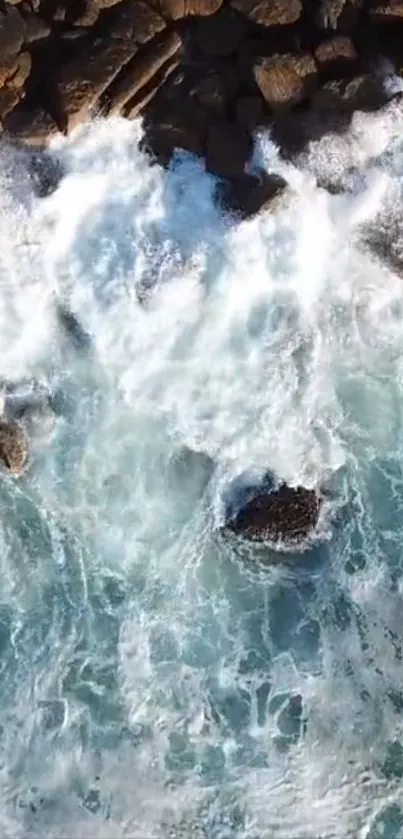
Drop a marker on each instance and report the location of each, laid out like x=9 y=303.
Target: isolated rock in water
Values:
x=286 y=514
x=13 y=446
x=248 y=195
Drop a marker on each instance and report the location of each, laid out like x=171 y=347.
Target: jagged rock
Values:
x=228 y=149
x=286 y=80
x=221 y=34
x=336 y=56
x=248 y=195
x=141 y=70
x=85 y=78
x=12 y=31
x=269 y=13
x=285 y=514
x=13 y=447
x=30 y=123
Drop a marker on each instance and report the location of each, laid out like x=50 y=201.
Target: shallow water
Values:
x=159 y=679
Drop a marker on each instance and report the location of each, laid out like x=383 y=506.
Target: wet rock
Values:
x=221 y=34
x=141 y=70
x=36 y=29
x=228 y=149
x=177 y=124
x=202 y=7
x=69 y=324
x=214 y=92
x=30 y=123
x=13 y=447
x=336 y=57
x=140 y=99
x=12 y=90
x=169 y=9
x=287 y=514
x=46 y=173
x=286 y=80
x=272 y=13
x=250 y=194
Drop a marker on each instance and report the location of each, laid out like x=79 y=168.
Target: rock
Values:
x=88 y=15
x=251 y=112
x=363 y=92
x=221 y=34
x=202 y=7
x=269 y=12
x=36 y=29
x=85 y=78
x=145 y=94
x=13 y=447
x=177 y=124
x=386 y=12
x=169 y=9
x=45 y=172
x=8 y=66
x=30 y=123
x=12 y=31
x=11 y=92
x=141 y=70
x=286 y=80
x=214 y=92
x=285 y=514
x=329 y=13
x=248 y=195
x=336 y=56
x=228 y=149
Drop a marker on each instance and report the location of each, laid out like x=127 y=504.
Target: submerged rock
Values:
x=249 y=194
x=285 y=514
x=13 y=446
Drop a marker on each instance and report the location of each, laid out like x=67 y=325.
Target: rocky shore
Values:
x=205 y=73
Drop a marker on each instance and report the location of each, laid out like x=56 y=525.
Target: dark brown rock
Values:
x=214 y=92
x=286 y=515
x=221 y=34
x=8 y=66
x=269 y=12
x=286 y=80
x=137 y=103
x=88 y=15
x=251 y=112
x=228 y=149
x=12 y=31
x=386 y=12
x=139 y=72
x=336 y=57
x=248 y=195
x=13 y=447
x=30 y=123
x=36 y=29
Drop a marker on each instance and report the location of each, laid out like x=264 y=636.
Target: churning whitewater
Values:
x=159 y=678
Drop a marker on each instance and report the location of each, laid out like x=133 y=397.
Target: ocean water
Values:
x=160 y=679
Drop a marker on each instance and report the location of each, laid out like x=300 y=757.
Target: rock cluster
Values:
x=13 y=447
x=206 y=73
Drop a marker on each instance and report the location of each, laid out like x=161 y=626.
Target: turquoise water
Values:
x=159 y=678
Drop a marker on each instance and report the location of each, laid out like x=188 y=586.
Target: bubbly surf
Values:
x=159 y=679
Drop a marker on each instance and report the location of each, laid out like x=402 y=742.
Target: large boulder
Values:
x=286 y=80
x=286 y=514
x=13 y=447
